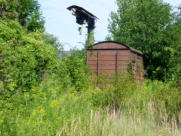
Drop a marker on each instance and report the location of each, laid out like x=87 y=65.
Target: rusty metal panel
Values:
x=94 y=67
x=91 y=62
x=106 y=70
x=123 y=53
x=105 y=62
x=134 y=56
x=117 y=59
x=105 y=66
x=123 y=62
x=107 y=58
x=137 y=66
x=107 y=53
x=127 y=58
x=122 y=67
x=92 y=58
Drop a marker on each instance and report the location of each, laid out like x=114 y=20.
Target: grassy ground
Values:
x=148 y=109
x=118 y=124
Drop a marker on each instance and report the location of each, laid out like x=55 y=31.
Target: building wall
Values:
x=137 y=66
x=112 y=58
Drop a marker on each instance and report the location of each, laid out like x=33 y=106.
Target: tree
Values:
x=29 y=15
x=25 y=58
x=148 y=26
x=52 y=40
x=8 y=8
x=178 y=54
x=26 y=11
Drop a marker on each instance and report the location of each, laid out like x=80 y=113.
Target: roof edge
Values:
x=81 y=8
x=129 y=48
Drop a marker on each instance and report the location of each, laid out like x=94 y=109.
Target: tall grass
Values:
x=151 y=108
x=106 y=123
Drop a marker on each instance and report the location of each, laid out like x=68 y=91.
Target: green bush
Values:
x=25 y=58
x=41 y=94
x=79 y=74
x=125 y=92
x=44 y=110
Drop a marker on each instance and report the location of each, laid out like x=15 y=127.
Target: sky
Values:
x=62 y=24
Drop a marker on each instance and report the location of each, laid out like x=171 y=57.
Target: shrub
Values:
x=124 y=92
x=78 y=72
x=25 y=58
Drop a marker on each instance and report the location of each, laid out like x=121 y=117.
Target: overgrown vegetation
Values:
x=45 y=95
x=25 y=58
x=153 y=28
x=26 y=12
x=51 y=108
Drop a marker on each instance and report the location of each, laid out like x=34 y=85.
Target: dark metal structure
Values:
x=113 y=57
x=83 y=17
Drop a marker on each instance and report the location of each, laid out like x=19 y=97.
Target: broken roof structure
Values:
x=83 y=17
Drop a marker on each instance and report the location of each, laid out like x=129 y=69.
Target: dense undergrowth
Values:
x=50 y=109
x=41 y=94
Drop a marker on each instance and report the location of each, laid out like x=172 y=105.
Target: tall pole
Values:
x=90 y=37
x=90 y=33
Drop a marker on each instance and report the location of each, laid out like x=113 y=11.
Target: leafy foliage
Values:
x=27 y=12
x=149 y=26
x=52 y=40
x=29 y=15
x=8 y=8
x=25 y=58
x=50 y=108
x=124 y=92
x=78 y=72
x=43 y=94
